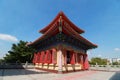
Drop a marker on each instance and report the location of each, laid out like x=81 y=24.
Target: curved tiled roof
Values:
x=66 y=19
x=67 y=27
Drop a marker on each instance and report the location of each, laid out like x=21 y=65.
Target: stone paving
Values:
x=33 y=74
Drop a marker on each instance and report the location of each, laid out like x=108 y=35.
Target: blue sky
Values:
x=22 y=19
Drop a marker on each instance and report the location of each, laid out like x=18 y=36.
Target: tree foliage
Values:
x=115 y=63
x=98 y=60
x=1 y=60
x=19 y=53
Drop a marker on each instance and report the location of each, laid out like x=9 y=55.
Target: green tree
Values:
x=115 y=63
x=1 y=60
x=98 y=60
x=20 y=53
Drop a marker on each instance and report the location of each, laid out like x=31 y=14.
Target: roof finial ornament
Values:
x=61 y=19
x=60 y=24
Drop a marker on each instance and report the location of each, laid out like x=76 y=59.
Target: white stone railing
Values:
x=105 y=67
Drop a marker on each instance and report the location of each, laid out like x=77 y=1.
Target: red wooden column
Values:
x=34 y=58
x=86 y=63
x=72 y=61
x=48 y=58
x=38 y=57
x=54 y=56
x=82 y=60
x=76 y=58
x=65 y=57
x=46 y=55
x=42 y=59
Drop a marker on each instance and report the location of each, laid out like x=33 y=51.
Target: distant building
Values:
x=111 y=60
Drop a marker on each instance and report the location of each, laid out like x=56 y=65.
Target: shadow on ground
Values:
x=116 y=76
x=13 y=72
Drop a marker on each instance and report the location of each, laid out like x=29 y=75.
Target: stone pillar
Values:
x=59 y=61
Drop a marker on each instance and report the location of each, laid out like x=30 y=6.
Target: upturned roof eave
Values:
x=69 y=31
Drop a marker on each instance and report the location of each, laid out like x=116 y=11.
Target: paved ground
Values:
x=33 y=74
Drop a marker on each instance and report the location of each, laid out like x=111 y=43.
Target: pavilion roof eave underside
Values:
x=79 y=37
x=67 y=30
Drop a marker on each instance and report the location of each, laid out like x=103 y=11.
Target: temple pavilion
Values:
x=61 y=48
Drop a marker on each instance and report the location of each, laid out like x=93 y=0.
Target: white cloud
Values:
x=99 y=55
x=7 y=37
x=117 y=49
